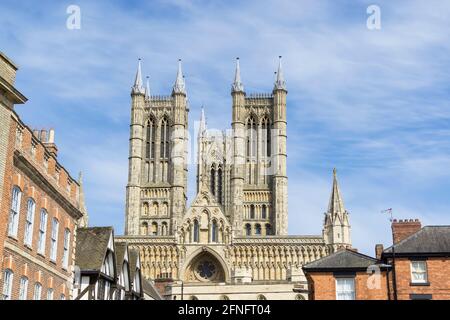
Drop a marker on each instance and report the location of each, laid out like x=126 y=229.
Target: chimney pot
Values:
x=43 y=136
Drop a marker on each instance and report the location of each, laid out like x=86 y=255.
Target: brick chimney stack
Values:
x=378 y=250
x=404 y=228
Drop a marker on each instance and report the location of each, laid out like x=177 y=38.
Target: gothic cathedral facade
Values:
x=232 y=241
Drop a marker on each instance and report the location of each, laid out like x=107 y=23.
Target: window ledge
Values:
x=13 y=237
x=419 y=284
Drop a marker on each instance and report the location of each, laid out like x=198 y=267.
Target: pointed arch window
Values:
x=214 y=232
x=164 y=229
x=165 y=139
x=251 y=138
x=150 y=140
x=258 y=229
x=252 y=211
x=154 y=229
x=264 y=212
x=265 y=125
x=213 y=181
x=219 y=185
x=196 y=231
x=268 y=229
x=248 y=229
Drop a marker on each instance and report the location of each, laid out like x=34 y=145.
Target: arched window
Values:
x=265 y=125
x=268 y=229
x=165 y=209
x=66 y=246
x=193 y=298
x=264 y=212
x=154 y=229
x=224 y=297
x=219 y=185
x=213 y=181
x=258 y=229
x=252 y=211
x=150 y=140
x=37 y=291
x=14 y=212
x=8 y=277
x=144 y=228
x=164 y=229
x=155 y=208
x=54 y=239
x=42 y=232
x=261 y=297
x=251 y=138
x=214 y=232
x=23 y=289
x=196 y=231
x=145 y=208
x=29 y=223
x=165 y=139
x=248 y=229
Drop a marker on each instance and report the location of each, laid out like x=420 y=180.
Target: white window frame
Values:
x=50 y=293
x=42 y=231
x=345 y=294
x=29 y=223
x=414 y=271
x=65 y=257
x=8 y=278
x=14 y=212
x=23 y=289
x=54 y=240
x=37 y=291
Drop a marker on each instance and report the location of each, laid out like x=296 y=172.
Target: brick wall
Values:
x=323 y=286
x=438 y=277
x=21 y=259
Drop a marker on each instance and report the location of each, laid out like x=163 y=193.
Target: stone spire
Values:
x=137 y=87
x=280 y=84
x=237 y=85
x=336 y=231
x=147 y=90
x=83 y=223
x=202 y=126
x=336 y=204
x=179 y=86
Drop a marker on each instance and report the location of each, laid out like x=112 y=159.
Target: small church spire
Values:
x=202 y=126
x=179 y=86
x=147 y=89
x=83 y=223
x=137 y=87
x=237 y=84
x=280 y=84
x=336 y=204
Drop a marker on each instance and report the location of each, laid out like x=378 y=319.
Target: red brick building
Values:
x=422 y=261
x=39 y=206
x=347 y=275
x=417 y=266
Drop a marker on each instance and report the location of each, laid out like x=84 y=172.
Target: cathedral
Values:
x=232 y=241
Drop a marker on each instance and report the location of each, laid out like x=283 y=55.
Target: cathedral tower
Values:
x=156 y=190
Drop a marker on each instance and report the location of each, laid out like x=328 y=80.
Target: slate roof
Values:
x=91 y=247
x=150 y=289
x=120 y=248
x=341 y=260
x=133 y=255
x=429 y=239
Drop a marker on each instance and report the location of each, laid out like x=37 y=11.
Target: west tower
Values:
x=157 y=180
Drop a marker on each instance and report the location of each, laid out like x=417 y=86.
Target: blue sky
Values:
x=372 y=103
